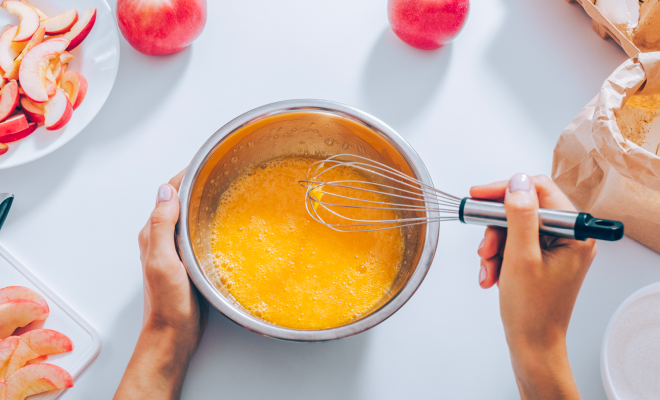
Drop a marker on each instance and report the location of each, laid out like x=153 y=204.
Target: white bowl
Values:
x=607 y=369
x=97 y=59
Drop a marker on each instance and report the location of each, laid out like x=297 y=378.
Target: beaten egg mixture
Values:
x=292 y=271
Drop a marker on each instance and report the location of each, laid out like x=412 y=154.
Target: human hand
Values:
x=539 y=278
x=170 y=299
x=174 y=313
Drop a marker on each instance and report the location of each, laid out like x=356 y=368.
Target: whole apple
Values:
x=157 y=27
x=427 y=24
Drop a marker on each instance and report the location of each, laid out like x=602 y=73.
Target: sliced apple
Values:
x=75 y=87
x=3 y=82
x=13 y=124
x=37 y=343
x=15 y=137
x=38 y=37
x=34 y=379
x=35 y=65
x=33 y=111
x=60 y=23
x=17 y=314
x=66 y=57
x=42 y=15
x=28 y=17
x=9 y=50
x=10 y=293
x=58 y=111
x=8 y=99
x=7 y=348
x=3 y=149
x=37 y=360
x=80 y=29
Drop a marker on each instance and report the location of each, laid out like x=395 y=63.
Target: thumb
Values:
x=163 y=222
x=522 y=206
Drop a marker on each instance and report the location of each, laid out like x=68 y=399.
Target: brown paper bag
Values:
x=604 y=173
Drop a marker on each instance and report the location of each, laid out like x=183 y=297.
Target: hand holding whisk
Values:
x=382 y=190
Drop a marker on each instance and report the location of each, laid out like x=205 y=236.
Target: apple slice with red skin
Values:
x=58 y=111
x=17 y=314
x=33 y=111
x=7 y=348
x=8 y=99
x=42 y=16
x=12 y=73
x=37 y=343
x=66 y=57
x=28 y=17
x=80 y=29
x=15 y=137
x=60 y=23
x=36 y=378
x=9 y=50
x=75 y=86
x=37 y=360
x=3 y=149
x=33 y=70
x=13 y=124
x=10 y=293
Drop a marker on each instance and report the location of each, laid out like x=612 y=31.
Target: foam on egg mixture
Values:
x=286 y=268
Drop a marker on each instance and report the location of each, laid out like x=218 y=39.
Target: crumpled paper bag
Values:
x=602 y=172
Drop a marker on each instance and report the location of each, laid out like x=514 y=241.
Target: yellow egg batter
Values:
x=290 y=270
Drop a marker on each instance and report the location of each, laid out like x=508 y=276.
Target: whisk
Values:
x=413 y=202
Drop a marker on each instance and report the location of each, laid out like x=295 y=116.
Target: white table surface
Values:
x=491 y=104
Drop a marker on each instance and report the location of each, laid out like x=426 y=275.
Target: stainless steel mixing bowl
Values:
x=311 y=128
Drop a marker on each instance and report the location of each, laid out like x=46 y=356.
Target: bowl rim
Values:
x=206 y=287
x=606 y=376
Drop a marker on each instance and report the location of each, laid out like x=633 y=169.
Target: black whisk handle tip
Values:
x=6 y=199
x=587 y=227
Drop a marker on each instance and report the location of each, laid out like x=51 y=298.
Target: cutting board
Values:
x=62 y=318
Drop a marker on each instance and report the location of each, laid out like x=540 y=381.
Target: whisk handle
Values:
x=564 y=224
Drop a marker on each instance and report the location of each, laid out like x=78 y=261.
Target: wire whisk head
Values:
x=352 y=193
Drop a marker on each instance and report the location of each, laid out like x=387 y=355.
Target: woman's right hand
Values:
x=539 y=278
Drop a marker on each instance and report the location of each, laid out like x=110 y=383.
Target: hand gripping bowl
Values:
x=311 y=128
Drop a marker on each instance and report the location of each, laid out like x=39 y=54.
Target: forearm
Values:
x=544 y=373
x=158 y=366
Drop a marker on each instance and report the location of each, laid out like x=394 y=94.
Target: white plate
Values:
x=62 y=318
x=97 y=59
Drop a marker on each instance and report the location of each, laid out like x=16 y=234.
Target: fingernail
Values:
x=482 y=274
x=164 y=194
x=481 y=245
x=519 y=182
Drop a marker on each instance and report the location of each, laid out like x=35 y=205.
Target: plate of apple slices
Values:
x=58 y=63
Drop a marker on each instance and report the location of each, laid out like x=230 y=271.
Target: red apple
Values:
x=156 y=27
x=17 y=314
x=66 y=57
x=427 y=24
x=35 y=379
x=81 y=29
x=60 y=23
x=3 y=149
x=37 y=360
x=42 y=16
x=37 y=343
x=75 y=87
x=33 y=111
x=58 y=111
x=35 y=67
x=8 y=99
x=7 y=348
x=10 y=293
x=13 y=124
x=38 y=37
x=15 y=137
x=9 y=49
x=28 y=17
